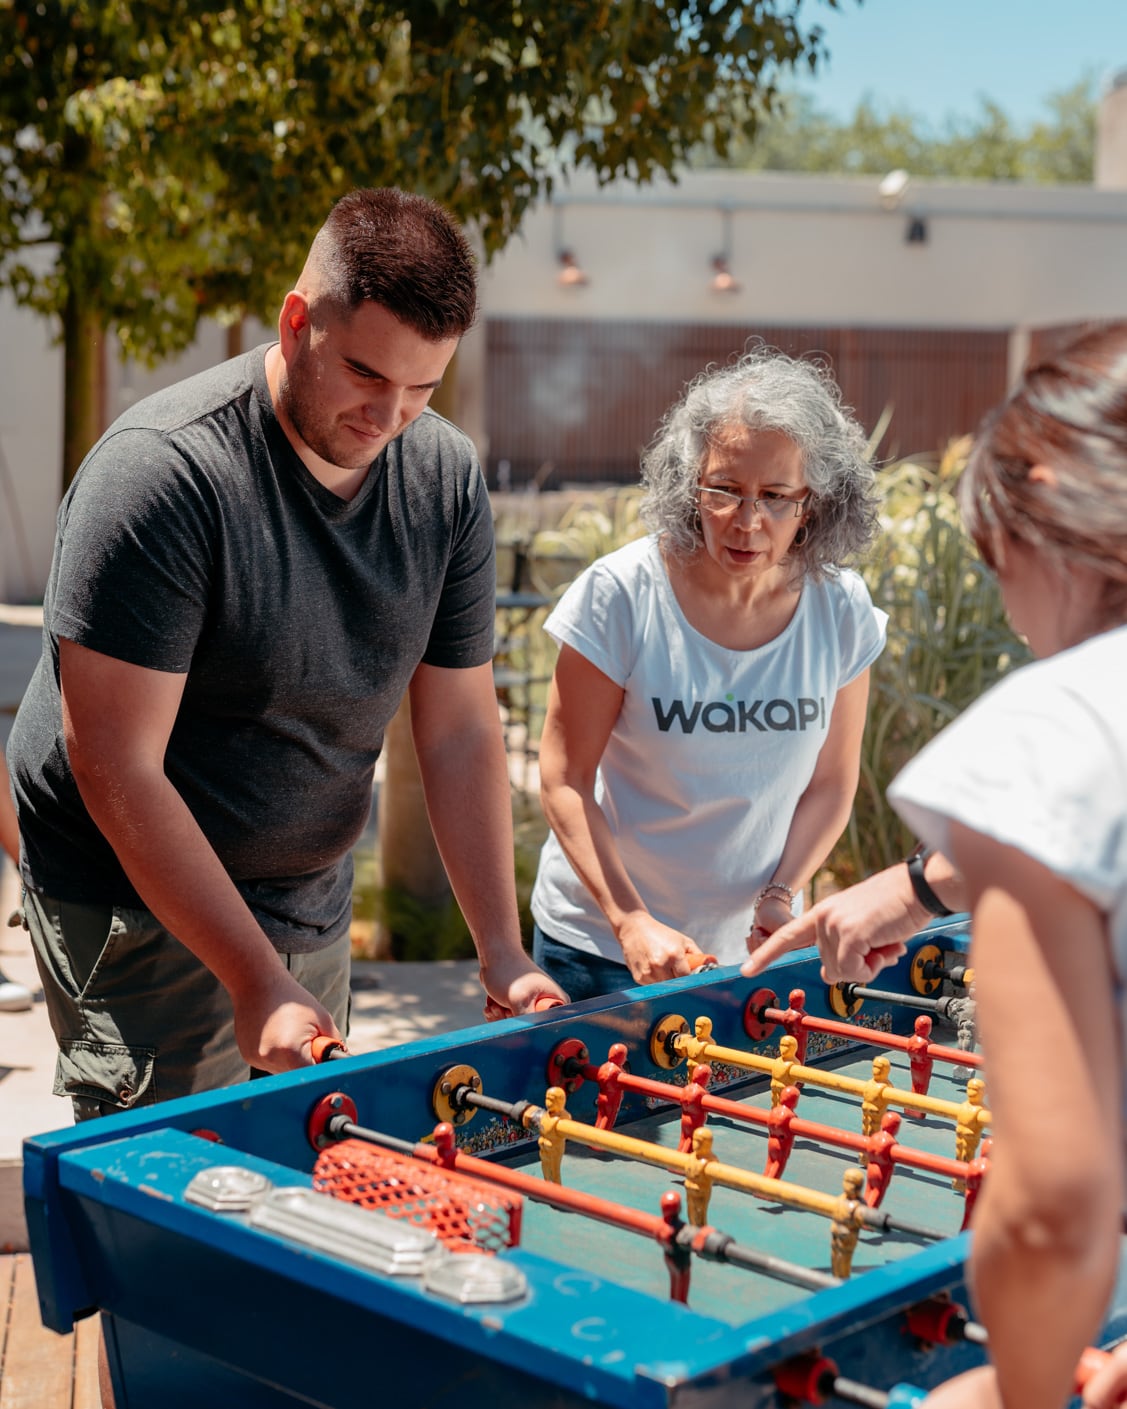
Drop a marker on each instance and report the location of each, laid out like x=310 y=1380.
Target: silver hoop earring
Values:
x=800 y=537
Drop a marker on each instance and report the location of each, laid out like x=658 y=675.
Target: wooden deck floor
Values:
x=39 y=1369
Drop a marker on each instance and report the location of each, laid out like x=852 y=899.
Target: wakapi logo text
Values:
x=732 y=716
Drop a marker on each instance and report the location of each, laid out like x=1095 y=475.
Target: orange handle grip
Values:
x=325 y=1048
x=495 y=1011
x=1092 y=1360
x=701 y=961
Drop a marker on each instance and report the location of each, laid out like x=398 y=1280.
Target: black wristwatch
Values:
x=924 y=893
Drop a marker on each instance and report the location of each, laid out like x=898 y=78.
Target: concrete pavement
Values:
x=392 y=1002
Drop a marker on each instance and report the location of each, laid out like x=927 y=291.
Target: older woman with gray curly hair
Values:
x=702 y=742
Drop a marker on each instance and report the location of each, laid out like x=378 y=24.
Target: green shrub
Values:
x=948 y=641
x=588 y=528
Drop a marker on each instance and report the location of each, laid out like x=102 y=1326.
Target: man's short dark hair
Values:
x=402 y=251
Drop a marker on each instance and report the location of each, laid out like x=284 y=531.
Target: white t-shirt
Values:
x=711 y=751
x=1040 y=764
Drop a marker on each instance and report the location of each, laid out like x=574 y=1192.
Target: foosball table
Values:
x=710 y=1192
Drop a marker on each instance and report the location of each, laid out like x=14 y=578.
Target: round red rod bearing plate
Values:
x=334 y=1104
x=756 y=1026
x=570 y=1049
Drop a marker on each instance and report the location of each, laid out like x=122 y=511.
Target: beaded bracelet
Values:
x=774 y=888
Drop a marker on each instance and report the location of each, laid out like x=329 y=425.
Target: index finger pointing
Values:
x=790 y=937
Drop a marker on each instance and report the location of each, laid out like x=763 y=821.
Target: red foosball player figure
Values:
x=792 y=1021
x=873 y=1097
x=678 y=1259
x=446 y=1144
x=878 y=1170
x=919 y=1058
x=610 y=1092
x=780 y=1136
x=976 y=1172
x=693 y=1113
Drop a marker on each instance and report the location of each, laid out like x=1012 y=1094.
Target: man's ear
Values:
x=294 y=317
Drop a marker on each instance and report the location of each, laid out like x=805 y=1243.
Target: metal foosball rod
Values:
x=959 y=975
x=846 y=998
x=703 y=1241
x=701 y=1170
x=808 y=1379
x=671 y=1039
x=613 y=1074
x=761 y=1014
x=907 y=1396
x=812 y=1378
x=941 y=1007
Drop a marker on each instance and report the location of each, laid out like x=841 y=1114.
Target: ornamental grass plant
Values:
x=948 y=642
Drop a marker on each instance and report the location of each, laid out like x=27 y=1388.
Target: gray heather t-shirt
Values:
x=194 y=540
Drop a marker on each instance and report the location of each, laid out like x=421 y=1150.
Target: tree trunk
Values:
x=84 y=384
x=409 y=859
x=234 y=338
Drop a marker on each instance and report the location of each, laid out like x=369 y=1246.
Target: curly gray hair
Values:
x=766 y=390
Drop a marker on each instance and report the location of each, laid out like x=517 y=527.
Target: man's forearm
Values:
x=469 y=804
x=178 y=876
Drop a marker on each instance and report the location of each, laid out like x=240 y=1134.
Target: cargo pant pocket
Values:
x=102 y=1077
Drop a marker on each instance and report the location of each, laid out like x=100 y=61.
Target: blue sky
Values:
x=935 y=57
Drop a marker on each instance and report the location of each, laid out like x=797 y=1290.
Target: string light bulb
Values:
x=723 y=280
x=571 y=275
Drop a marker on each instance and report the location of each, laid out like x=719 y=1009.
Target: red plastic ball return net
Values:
x=466 y=1215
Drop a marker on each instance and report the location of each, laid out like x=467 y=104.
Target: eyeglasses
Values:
x=726 y=502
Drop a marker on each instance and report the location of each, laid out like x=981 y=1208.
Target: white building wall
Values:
x=815 y=250
x=808 y=251
x=31 y=441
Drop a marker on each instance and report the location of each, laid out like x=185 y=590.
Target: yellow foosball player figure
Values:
x=846 y=1226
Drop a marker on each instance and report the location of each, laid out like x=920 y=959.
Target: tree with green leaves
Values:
x=798 y=136
x=166 y=160
x=169 y=160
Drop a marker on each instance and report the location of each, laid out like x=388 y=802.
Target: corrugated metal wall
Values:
x=575 y=401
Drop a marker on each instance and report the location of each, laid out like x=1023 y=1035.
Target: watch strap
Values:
x=924 y=893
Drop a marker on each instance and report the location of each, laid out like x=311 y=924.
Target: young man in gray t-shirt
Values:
x=250 y=571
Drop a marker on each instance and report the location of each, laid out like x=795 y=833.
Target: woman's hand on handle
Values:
x=655 y=952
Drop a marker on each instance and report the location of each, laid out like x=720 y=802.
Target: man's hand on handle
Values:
x=517 y=985
x=276 y=1022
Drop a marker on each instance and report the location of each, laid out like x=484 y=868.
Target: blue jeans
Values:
x=580 y=975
